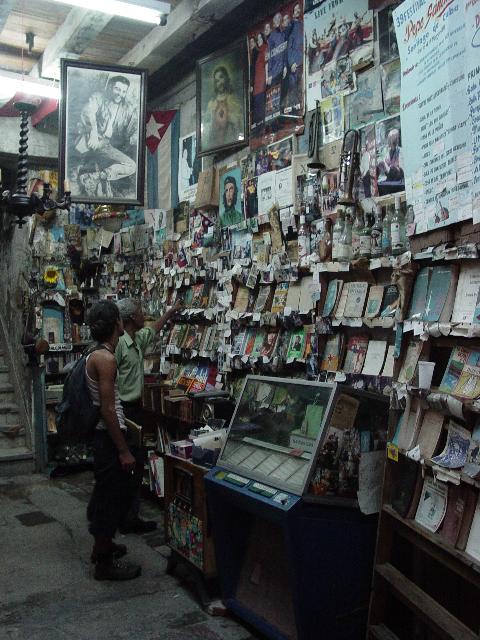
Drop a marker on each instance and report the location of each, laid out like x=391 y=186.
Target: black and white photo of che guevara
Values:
x=103 y=133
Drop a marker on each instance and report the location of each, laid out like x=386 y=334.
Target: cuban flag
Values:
x=162 y=136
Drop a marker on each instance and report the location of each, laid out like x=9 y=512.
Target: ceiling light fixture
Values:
x=143 y=10
x=14 y=82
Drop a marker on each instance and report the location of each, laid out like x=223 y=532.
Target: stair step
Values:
x=16 y=461
x=5 y=387
x=9 y=407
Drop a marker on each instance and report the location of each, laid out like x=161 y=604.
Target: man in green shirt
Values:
x=129 y=355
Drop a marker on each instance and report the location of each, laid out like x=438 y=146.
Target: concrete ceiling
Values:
x=63 y=31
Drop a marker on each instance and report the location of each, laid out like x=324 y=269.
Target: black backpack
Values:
x=77 y=416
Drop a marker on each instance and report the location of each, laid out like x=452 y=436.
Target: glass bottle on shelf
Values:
x=356 y=232
x=303 y=239
x=398 y=232
x=366 y=239
x=337 y=231
x=376 y=234
x=345 y=243
x=386 y=242
x=325 y=244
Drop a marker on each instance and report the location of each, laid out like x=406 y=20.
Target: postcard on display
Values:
x=338 y=77
x=365 y=104
x=387 y=39
x=368 y=186
x=283 y=188
x=332 y=32
x=189 y=167
x=330 y=192
x=266 y=192
x=250 y=197
x=333 y=118
x=241 y=245
x=390 y=167
x=391 y=74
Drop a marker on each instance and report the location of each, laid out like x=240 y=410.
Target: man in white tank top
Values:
x=113 y=461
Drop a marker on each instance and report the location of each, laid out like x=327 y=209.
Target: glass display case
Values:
x=275 y=432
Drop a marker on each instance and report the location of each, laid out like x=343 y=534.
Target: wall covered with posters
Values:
x=223 y=231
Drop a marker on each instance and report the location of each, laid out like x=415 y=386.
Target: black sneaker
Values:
x=116 y=570
x=138 y=526
x=119 y=550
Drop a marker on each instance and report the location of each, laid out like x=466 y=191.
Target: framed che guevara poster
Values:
x=102 y=133
x=221 y=89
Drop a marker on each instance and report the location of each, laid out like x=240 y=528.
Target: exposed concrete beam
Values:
x=40 y=144
x=5 y=7
x=73 y=37
x=188 y=20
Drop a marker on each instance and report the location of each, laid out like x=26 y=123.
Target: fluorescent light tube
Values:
x=12 y=82
x=144 y=11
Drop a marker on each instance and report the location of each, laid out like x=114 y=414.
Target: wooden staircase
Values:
x=15 y=453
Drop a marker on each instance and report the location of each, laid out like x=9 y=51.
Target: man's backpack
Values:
x=77 y=416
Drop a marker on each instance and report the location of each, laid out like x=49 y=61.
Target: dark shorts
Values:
x=114 y=489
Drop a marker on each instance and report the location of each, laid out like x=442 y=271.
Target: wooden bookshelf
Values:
x=425 y=588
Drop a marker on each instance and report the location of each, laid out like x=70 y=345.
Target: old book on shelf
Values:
x=239 y=343
x=267 y=348
x=355 y=353
x=339 y=309
x=419 y=294
x=333 y=293
x=441 y=294
x=410 y=361
x=391 y=301
x=472 y=467
x=403 y=485
x=374 y=301
x=459 y=357
x=309 y=294
x=467 y=293
x=473 y=543
x=417 y=492
x=457 y=498
x=432 y=505
x=375 y=357
x=430 y=432
x=242 y=299
x=280 y=297
x=332 y=353
x=389 y=363
x=471 y=496
x=455 y=453
x=468 y=385
x=409 y=425
x=251 y=336
x=293 y=296
x=296 y=345
x=357 y=294
x=263 y=301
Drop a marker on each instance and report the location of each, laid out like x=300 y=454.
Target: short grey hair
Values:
x=128 y=307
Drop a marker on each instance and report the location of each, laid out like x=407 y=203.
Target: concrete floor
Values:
x=46 y=586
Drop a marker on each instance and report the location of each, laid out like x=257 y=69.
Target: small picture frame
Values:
x=221 y=89
x=102 y=133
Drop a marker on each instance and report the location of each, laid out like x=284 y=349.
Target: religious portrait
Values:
x=221 y=101
x=102 y=133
